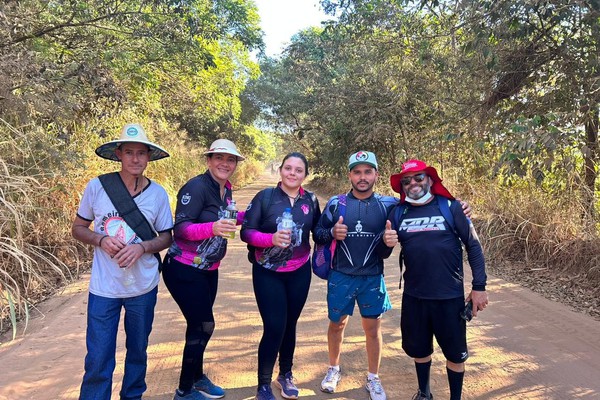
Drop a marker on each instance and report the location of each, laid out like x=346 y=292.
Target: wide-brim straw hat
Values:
x=131 y=133
x=224 y=146
x=419 y=166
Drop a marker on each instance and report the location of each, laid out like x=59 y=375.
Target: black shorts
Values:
x=421 y=319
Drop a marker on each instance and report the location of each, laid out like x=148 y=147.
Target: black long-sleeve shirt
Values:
x=363 y=250
x=432 y=251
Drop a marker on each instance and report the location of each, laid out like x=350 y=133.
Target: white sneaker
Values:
x=375 y=389
x=329 y=383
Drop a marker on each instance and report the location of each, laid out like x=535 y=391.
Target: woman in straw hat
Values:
x=124 y=270
x=191 y=265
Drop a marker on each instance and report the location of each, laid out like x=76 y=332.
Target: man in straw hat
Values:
x=125 y=270
x=430 y=226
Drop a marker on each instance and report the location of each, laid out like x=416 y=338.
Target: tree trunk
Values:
x=590 y=159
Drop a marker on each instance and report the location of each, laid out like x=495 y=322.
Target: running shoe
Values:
x=375 y=389
x=193 y=395
x=287 y=386
x=331 y=380
x=264 y=392
x=420 y=396
x=208 y=389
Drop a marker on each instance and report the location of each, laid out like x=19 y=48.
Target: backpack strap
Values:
x=119 y=195
x=399 y=213
x=341 y=207
x=342 y=198
x=264 y=205
x=444 y=205
x=264 y=208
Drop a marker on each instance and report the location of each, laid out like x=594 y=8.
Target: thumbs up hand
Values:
x=390 y=236
x=339 y=230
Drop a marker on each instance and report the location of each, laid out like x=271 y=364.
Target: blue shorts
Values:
x=421 y=319
x=368 y=292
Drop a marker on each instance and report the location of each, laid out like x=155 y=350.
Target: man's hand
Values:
x=339 y=230
x=129 y=254
x=479 y=299
x=390 y=236
x=112 y=246
x=466 y=207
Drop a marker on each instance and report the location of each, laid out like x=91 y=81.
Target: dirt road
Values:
x=522 y=347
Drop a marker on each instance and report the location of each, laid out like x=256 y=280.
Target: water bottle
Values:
x=230 y=213
x=286 y=222
x=128 y=276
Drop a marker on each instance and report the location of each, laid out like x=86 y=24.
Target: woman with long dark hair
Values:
x=281 y=271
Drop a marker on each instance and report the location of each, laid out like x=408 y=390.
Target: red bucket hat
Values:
x=418 y=166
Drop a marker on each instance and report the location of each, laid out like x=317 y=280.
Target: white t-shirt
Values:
x=107 y=278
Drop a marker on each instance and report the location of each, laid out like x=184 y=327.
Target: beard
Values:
x=363 y=189
x=425 y=188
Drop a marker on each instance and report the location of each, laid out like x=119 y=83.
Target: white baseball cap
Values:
x=362 y=157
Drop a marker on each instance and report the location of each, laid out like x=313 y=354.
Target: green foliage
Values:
x=71 y=74
x=504 y=89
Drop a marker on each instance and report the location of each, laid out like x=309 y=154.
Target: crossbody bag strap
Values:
x=119 y=195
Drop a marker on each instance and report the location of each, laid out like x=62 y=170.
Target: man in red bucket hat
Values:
x=430 y=226
x=418 y=167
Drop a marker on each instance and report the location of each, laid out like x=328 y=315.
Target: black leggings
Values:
x=280 y=297
x=194 y=291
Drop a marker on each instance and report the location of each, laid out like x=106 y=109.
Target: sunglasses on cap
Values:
x=417 y=178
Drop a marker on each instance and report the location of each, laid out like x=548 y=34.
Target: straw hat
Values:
x=131 y=133
x=224 y=146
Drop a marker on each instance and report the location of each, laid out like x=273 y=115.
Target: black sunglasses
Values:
x=418 y=178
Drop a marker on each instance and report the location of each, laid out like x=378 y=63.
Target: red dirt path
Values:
x=522 y=346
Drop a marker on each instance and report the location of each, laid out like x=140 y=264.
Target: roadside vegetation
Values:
x=501 y=97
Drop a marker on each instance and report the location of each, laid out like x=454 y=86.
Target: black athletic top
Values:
x=258 y=227
x=363 y=250
x=433 y=252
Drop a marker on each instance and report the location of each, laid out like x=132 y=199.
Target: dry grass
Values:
x=30 y=263
x=540 y=240
x=41 y=182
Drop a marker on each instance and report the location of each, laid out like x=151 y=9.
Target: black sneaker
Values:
x=420 y=396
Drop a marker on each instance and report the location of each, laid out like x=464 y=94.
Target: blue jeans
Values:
x=101 y=342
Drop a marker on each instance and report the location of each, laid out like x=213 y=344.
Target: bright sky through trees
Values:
x=280 y=19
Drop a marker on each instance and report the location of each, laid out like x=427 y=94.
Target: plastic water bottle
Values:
x=286 y=222
x=128 y=276
x=230 y=213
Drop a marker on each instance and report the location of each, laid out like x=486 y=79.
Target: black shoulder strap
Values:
x=266 y=204
x=399 y=212
x=119 y=195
